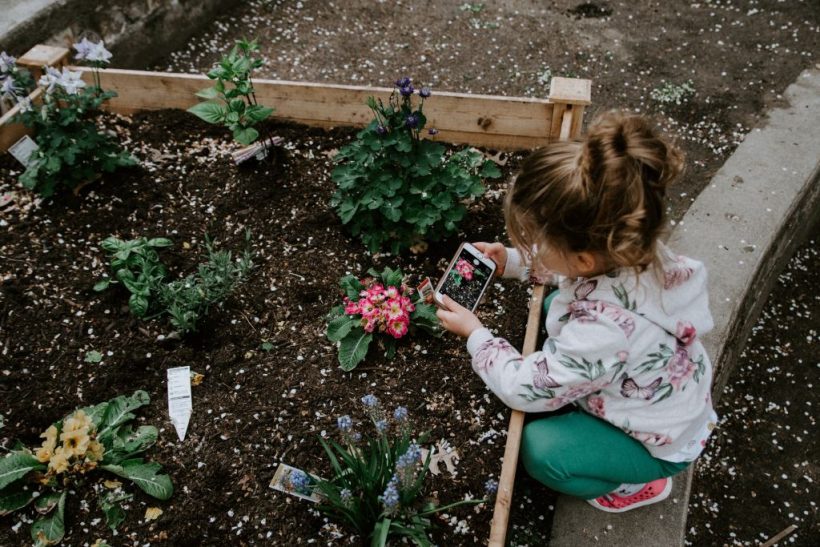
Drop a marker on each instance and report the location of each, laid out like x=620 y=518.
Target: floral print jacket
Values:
x=624 y=347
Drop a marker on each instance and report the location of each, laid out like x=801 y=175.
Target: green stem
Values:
x=450 y=506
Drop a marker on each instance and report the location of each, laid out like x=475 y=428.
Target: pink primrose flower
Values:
x=398 y=328
x=465 y=269
x=392 y=293
x=351 y=307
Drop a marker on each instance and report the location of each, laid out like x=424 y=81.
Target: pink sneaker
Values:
x=652 y=492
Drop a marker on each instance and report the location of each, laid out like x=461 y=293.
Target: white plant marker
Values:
x=180 y=404
x=280 y=482
x=23 y=149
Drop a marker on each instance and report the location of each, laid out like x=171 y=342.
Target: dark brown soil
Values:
x=739 y=56
x=760 y=471
x=254 y=408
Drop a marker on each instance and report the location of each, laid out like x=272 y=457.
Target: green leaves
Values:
x=353 y=348
x=340 y=327
x=111 y=505
x=210 y=112
x=146 y=476
x=118 y=412
x=394 y=188
x=16 y=466
x=50 y=530
x=15 y=497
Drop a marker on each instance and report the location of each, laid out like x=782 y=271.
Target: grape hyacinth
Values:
x=344 y=423
x=390 y=497
x=346 y=495
x=400 y=414
x=407 y=466
x=381 y=426
x=491 y=487
x=370 y=400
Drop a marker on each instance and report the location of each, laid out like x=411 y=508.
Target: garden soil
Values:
x=255 y=408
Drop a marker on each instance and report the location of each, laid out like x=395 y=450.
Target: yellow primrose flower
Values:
x=78 y=420
x=44 y=452
x=95 y=451
x=59 y=460
x=75 y=442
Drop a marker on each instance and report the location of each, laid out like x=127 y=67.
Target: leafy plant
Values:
x=671 y=93
x=379 y=305
x=378 y=483
x=136 y=264
x=72 y=151
x=395 y=188
x=89 y=440
x=238 y=111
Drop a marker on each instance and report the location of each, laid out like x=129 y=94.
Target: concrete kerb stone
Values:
x=758 y=208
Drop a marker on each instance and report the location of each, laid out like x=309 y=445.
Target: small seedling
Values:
x=93 y=356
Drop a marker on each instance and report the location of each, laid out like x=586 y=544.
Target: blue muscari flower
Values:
x=432 y=131
x=381 y=426
x=491 y=487
x=411 y=121
x=356 y=436
x=406 y=90
x=403 y=82
x=370 y=400
x=344 y=423
x=400 y=414
x=381 y=130
x=346 y=496
x=390 y=497
x=425 y=92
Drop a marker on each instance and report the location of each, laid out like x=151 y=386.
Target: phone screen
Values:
x=466 y=280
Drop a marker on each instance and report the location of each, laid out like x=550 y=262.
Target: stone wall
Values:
x=138 y=32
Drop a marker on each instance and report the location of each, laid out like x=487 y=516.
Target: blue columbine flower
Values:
x=491 y=487
x=425 y=92
x=411 y=121
x=381 y=130
x=432 y=131
x=406 y=90
x=400 y=414
x=370 y=400
x=403 y=82
x=344 y=423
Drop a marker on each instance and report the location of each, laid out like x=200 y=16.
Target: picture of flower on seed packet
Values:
x=295 y=482
x=466 y=280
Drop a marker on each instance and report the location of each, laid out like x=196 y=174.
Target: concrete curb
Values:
x=136 y=31
x=744 y=227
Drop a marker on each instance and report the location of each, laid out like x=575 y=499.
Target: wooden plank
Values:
x=480 y=120
x=506 y=481
x=42 y=55
x=557 y=116
x=10 y=132
x=571 y=90
x=577 y=120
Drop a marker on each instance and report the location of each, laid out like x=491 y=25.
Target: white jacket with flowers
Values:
x=624 y=347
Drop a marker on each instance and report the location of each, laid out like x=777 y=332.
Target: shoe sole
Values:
x=657 y=499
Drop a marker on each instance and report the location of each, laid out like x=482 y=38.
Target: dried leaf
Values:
x=196 y=378
x=152 y=513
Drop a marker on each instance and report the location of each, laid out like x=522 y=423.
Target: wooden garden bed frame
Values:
x=494 y=122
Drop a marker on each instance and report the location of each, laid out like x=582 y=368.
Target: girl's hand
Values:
x=496 y=252
x=456 y=318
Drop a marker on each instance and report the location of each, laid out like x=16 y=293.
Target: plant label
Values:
x=426 y=291
x=180 y=404
x=23 y=149
x=257 y=150
x=295 y=482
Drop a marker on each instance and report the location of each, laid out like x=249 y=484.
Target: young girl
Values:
x=623 y=328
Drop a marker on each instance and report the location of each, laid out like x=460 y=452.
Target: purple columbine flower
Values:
x=370 y=400
x=491 y=487
x=406 y=90
x=381 y=130
x=432 y=131
x=6 y=63
x=411 y=121
x=83 y=47
x=425 y=92
x=403 y=82
x=400 y=414
x=9 y=88
x=344 y=423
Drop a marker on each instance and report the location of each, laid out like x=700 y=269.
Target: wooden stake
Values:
x=781 y=535
x=41 y=55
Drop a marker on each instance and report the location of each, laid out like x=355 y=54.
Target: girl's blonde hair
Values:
x=603 y=193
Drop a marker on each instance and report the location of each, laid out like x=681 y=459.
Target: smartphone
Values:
x=466 y=278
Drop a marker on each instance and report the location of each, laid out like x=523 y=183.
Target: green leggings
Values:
x=578 y=454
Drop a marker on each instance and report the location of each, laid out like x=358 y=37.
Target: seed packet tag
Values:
x=23 y=149
x=281 y=481
x=426 y=290
x=180 y=404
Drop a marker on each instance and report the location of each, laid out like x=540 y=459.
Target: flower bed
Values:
x=272 y=382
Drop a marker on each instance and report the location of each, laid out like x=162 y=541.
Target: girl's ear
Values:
x=586 y=263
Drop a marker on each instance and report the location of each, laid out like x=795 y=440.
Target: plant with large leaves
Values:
x=89 y=440
x=379 y=306
x=231 y=101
